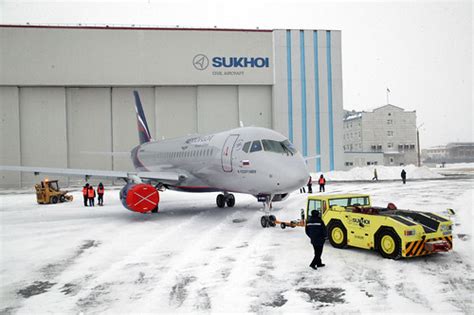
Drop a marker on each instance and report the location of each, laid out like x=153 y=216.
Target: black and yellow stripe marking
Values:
x=417 y=248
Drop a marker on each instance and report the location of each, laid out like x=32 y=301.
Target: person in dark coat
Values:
x=404 y=176
x=310 y=185
x=100 y=194
x=316 y=231
x=376 y=177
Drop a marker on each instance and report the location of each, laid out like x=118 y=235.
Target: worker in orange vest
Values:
x=84 y=193
x=91 y=195
x=100 y=194
x=321 y=182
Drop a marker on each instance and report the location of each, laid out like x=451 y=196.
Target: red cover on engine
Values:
x=142 y=198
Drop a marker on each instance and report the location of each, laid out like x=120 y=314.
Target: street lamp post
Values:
x=418 y=142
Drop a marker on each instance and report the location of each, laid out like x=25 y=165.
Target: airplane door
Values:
x=227 y=153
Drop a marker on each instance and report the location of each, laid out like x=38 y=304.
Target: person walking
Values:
x=404 y=176
x=321 y=182
x=310 y=185
x=84 y=193
x=316 y=231
x=100 y=194
x=375 y=175
x=91 y=195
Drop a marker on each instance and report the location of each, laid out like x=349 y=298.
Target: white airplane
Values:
x=249 y=160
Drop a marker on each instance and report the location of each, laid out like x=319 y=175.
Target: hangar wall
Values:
x=77 y=127
x=81 y=91
x=75 y=56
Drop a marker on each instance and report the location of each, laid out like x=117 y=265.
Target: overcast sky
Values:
x=420 y=50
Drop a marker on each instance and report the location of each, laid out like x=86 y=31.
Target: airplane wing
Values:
x=164 y=177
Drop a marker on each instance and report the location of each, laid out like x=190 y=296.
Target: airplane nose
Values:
x=294 y=177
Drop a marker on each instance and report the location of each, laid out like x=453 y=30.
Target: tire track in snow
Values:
x=141 y=268
x=187 y=270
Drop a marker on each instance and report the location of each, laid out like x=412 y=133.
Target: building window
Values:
x=389 y=145
x=390 y=133
x=389 y=121
x=412 y=146
x=349 y=163
x=391 y=160
x=390 y=114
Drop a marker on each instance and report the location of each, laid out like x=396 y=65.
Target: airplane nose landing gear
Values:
x=225 y=198
x=267 y=220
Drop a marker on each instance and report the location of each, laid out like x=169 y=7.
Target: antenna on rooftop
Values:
x=388 y=95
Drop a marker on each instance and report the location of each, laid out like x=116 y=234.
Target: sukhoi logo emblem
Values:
x=200 y=62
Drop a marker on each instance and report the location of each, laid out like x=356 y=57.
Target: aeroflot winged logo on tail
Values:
x=201 y=62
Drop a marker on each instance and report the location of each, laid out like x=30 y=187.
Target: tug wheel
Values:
x=54 y=199
x=264 y=221
x=283 y=225
x=389 y=244
x=337 y=234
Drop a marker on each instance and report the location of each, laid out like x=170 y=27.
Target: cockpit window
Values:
x=288 y=147
x=273 y=146
x=256 y=146
x=246 y=147
x=279 y=146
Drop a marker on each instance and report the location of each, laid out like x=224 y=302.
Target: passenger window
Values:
x=256 y=146
x=246 y=147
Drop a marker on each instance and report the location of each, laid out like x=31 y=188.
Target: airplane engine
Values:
x=139 y=197
x=280 y=197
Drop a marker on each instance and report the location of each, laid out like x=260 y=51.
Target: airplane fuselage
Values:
x=249 y=160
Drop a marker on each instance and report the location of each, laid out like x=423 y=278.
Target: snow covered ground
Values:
x=194 y=257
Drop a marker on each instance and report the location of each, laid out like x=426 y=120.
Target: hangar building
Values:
x=66 y=92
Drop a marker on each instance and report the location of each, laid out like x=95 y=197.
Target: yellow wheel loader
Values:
x=48 y=192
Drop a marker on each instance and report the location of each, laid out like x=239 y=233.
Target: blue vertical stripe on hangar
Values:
x=290 y=83
x=304 y=129
x=330 y=109
x=316 y=101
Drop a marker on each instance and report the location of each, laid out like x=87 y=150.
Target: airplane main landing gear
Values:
x=223 y=199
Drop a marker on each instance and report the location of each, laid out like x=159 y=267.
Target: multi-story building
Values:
x=434 y=154
x=454 y=152
x=386 y=135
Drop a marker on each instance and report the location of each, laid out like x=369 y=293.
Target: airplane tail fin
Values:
x=143 y=131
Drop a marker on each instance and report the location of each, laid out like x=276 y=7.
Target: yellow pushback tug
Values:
x=351 y=220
